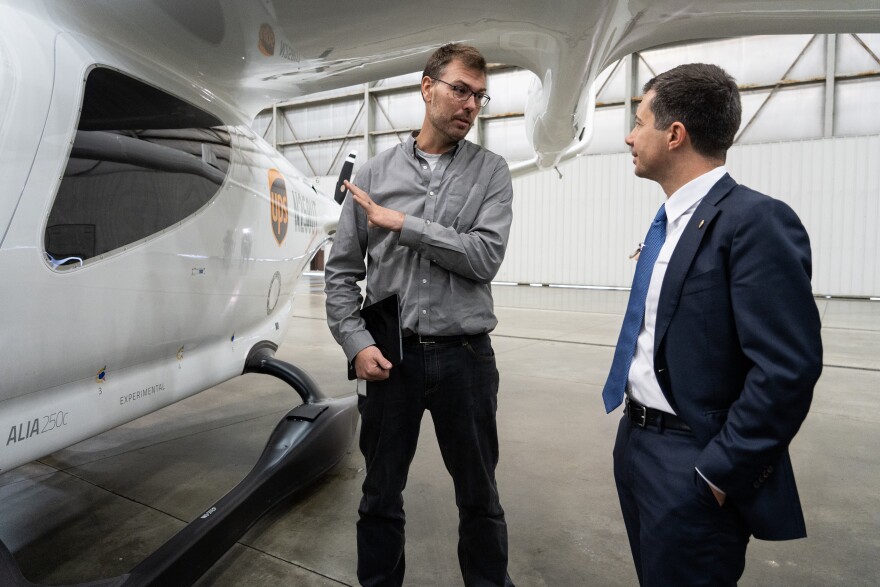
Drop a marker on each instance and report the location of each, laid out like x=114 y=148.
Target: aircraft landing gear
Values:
x=308 y=441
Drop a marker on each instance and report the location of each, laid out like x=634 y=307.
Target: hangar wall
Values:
x=580 y=229
x=810 y=133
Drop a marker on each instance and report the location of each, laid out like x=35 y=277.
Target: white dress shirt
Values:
x=642 y=385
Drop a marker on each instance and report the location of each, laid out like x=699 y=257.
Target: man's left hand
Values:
x=720 y=496
x=376 y=215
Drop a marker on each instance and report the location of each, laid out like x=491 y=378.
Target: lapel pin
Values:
x=700 y=225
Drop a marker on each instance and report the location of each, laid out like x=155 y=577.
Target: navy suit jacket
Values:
x=738 y=350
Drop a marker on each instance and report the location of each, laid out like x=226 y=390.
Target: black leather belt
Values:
x=455 y=339
x=643 y=416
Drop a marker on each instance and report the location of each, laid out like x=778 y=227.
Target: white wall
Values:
x=580 y=230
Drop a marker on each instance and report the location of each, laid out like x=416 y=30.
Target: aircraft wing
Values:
x=250 y=53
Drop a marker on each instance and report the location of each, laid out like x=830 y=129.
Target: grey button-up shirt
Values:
x=442 y=261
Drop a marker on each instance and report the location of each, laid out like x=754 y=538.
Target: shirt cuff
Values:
x=356 y=343
x=412 y=231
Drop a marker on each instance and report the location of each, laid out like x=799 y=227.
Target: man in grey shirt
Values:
x=432 y=217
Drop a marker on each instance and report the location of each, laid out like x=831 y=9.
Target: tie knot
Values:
x=661 y=214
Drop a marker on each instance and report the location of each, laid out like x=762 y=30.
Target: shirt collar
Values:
x=687 y=196
x=411 y=145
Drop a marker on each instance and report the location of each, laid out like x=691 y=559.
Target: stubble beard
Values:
x=448 y=127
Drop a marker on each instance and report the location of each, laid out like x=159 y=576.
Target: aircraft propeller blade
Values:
x=344 y=175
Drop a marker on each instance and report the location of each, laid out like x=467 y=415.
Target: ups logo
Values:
x=266 y=43
x=278 y=205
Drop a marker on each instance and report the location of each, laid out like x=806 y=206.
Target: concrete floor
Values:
x=96 y=509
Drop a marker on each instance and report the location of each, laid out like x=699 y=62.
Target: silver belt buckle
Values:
x=425 y=341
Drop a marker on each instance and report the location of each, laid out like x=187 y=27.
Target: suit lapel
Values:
x=684 y=254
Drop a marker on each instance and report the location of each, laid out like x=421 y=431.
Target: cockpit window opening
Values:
x=142 y=160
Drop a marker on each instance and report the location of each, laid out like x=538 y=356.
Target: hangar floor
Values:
x=96 y=509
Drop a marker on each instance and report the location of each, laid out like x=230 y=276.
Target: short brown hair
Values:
x=468 y=55
x=705 y=99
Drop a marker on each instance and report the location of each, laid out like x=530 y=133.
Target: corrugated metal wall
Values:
x=581 y=229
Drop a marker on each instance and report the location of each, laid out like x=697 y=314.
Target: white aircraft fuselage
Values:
x=88 y=346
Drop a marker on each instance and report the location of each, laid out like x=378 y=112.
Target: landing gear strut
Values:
x=306 y=443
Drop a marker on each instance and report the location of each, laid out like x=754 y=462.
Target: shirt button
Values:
x=424 y=281
x=432 y=193
x=424 y=311
x=424 y=166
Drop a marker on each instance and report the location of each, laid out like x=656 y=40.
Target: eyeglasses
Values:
x=462 y=93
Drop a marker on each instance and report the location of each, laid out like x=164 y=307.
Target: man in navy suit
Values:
x=725 y=350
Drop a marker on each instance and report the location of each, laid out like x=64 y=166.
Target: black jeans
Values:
x=458 y=383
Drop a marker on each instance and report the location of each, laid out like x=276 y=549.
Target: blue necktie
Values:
x=615 y=386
